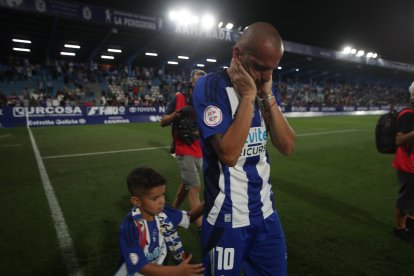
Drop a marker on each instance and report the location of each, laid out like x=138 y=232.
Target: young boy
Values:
x=149 y=229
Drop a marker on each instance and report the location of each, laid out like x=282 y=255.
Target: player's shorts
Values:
x=190 y=168
x=405 y=199
x=256 y=249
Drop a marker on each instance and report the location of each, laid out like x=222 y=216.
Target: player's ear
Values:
x=236 y=53
x=135 y=201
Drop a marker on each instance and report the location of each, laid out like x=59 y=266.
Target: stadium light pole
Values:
x=51 y=39
x=100 y=45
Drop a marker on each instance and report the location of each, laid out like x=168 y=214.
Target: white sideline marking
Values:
x=5 y=135
x=64 y=239
x=326 y=132
x=155 y=148
x=101 y=152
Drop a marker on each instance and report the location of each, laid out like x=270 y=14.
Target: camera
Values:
x=186 y=125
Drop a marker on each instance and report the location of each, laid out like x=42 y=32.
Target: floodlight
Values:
x=21 y=49
x=21 y=40
x=172 y=62
x=173 y=15
x=115 y=50
x=67 y=54
x=194 y=19
x=184 y=17
x=152 y=54
x=107 y=57
x=360 y=53
x=229 y=26
x=200 y=65
x=207 y=21
x=347 y=50
x=211 y=60
x=72 y=46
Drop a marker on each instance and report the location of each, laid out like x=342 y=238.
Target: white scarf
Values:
x=166 y=228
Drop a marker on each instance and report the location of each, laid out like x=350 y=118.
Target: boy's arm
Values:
x=183 y=269
x=131 y=250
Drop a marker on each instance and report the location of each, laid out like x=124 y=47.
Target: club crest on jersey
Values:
x=134 y=258
x=212 y=116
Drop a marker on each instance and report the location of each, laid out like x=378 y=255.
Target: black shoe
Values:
x=404 y=234
x=409 y=223
x=172 y=148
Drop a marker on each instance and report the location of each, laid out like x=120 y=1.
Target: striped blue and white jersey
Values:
x=148 y=244
x=234 y=196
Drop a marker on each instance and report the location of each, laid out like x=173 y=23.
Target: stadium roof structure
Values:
x=49 y=25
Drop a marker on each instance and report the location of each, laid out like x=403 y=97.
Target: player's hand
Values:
x=243 y=83
x=185 y=268
x=266 y=89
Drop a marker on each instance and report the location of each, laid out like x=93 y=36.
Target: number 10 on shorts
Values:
x=224 y=257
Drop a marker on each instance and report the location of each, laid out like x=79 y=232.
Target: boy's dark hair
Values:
x=142 y=179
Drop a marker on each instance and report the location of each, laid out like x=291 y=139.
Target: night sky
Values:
x=382 y=26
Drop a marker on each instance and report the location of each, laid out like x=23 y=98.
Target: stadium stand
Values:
x=310 y=78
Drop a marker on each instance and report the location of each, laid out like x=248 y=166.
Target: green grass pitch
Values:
x=335 y=196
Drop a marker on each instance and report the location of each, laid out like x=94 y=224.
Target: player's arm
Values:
x=196 y=212
x=282 y=134
x=183 y=269
x=228 y=145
